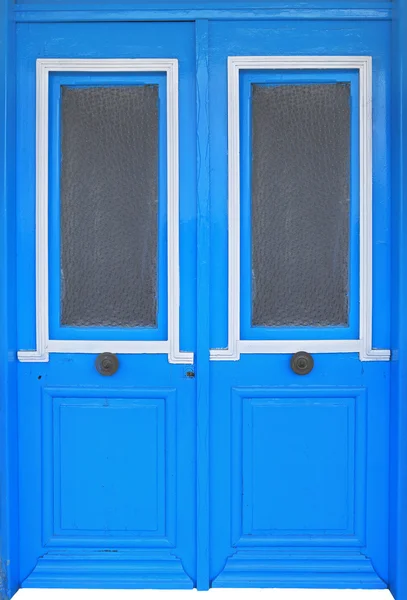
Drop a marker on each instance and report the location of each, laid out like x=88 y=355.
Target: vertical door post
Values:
x=9 y=568
x=398 y=410
x=203 y=376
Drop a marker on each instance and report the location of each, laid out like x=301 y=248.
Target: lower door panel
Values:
x=301 y=476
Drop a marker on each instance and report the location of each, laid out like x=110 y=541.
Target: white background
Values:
x=215 y=594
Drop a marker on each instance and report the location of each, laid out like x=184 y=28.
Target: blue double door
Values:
x=203 y=300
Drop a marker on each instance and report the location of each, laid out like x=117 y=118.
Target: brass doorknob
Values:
x=107 y=363
x=302 y=363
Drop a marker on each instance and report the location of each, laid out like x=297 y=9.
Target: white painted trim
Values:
x=119 y=346
x=374 y=354
x=291 y=346
x=233 y=209
x=44 y=345
x=32 y=356
x=364 y=345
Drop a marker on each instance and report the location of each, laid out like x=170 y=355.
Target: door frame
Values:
x=10 y=16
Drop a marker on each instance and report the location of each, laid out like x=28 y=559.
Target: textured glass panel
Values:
x=109 y=202
x=300 y=204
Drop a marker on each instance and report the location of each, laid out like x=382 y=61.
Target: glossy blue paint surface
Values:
x=213 y=10
x=203 y=308
x=104 y=333
x=249 y=332
x=300 y=463
x=398 y=431
x=107 y=465
x=9 y=522
x=303 y=38
x=246 y=475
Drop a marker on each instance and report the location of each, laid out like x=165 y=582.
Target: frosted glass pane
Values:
x=300 y=204
x=109 y=203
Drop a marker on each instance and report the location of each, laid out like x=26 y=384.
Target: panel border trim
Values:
x=52 y=400
x=363 y=345
x=44 y=345
x=356 y=404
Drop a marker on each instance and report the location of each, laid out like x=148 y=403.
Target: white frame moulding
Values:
x=44 y=344
x=363 y=345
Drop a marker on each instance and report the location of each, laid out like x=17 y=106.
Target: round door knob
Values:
x=107 y=363
x=302 y=363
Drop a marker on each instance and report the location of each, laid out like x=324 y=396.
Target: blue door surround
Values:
x=210 y=539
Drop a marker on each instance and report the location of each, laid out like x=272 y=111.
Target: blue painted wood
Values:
x=9 y=523
x=276 y=39
x=131 y=512
x=294 y=333
x=269 y=422
x=137 y=569
x=351 y=460
x=107 y=464
x=66 y=410
x=284 y=568
x=398 y=426
x=261 y=451
x=203 y=322
x=323 y=10
x=241 y=5
x=104 y=333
